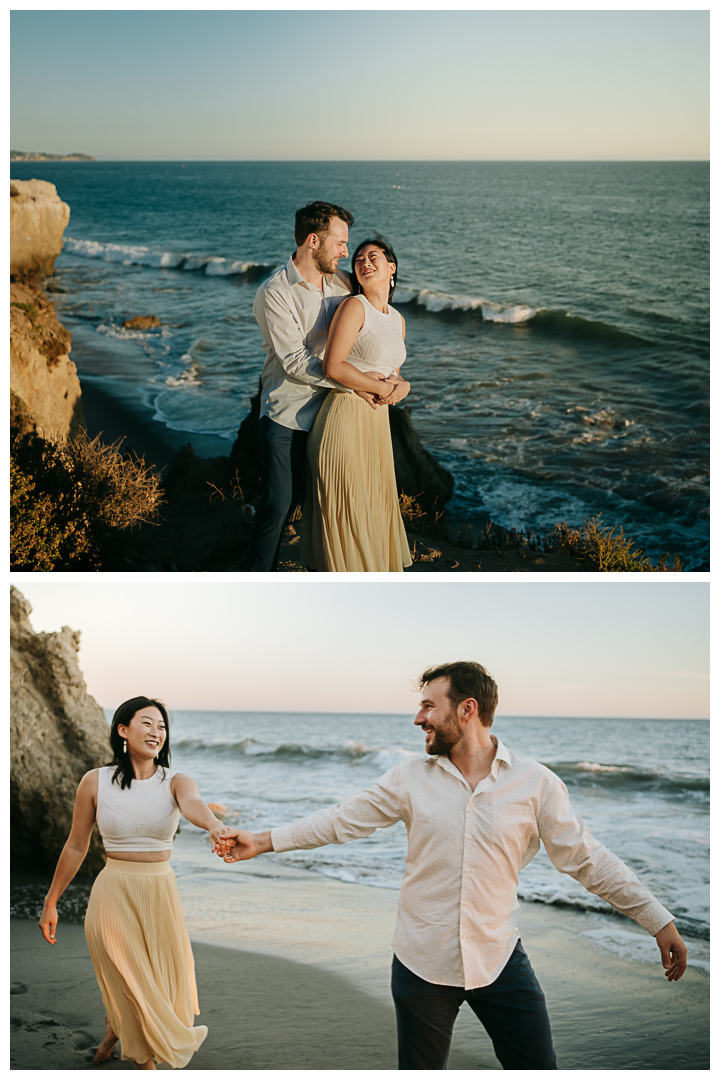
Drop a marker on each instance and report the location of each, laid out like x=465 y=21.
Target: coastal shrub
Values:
x=608 y=548
x=71 y=497
x=602 y=547
x=36 y=536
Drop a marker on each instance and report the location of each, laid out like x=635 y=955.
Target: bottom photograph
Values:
x=336 y=826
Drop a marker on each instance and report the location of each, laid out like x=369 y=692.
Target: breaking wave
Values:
x=591 y=773
x=137 y=255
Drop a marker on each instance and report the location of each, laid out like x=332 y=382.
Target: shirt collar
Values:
x=295 y=277
x=501 y=755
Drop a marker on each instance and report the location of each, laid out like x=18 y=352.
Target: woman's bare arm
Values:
x=73 y=853
x=345 y=327
x=193 y=808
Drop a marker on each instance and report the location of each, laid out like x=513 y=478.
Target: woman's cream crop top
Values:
x=143 y=817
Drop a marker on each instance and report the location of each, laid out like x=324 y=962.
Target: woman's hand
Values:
x=400 y=391
x=48 y=923
x=218 y=836
x=385 y=385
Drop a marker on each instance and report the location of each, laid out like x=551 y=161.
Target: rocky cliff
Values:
x=57 y=733
x=42 y=374
x=37 y=221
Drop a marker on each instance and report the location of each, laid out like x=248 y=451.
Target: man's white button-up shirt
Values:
x=294 y=317
x=458 y=909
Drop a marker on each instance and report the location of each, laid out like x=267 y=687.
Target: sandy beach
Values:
x=293 y=973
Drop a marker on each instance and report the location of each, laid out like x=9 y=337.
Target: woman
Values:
x=351 y=518
x=134 y=924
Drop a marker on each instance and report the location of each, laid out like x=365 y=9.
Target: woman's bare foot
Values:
x=149 y=1064
x=106 y=1046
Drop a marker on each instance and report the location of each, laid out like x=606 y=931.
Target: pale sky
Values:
x=362 y=85
x=605 y=649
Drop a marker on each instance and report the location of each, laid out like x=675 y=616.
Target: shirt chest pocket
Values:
x=513 y=827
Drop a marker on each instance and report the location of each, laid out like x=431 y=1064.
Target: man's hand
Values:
x=673 y=952
x=370 y=398
x=236 y=845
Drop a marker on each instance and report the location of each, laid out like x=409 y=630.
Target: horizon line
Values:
x=365 y=712
x=369 y=161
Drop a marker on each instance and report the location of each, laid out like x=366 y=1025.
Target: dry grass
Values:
x=603 y=548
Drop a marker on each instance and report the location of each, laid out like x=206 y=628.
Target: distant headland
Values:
x=39 y=155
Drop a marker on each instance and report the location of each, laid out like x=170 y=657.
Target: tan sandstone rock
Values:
x=57 y=733
x=41 y=371
x=38 y=219
x=142 y=322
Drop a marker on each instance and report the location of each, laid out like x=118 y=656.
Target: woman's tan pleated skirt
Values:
x=141 y=953
x=351 y=518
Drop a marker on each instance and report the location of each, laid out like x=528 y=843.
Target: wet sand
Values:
x=293 y=973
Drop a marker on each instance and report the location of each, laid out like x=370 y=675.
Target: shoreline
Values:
x=304 y=962
x=204 y=523
x=121 y=414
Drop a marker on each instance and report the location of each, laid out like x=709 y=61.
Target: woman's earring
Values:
x=392 y=280
x=124 y=746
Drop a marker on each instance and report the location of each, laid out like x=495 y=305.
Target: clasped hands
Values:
x=399 y=389
x=235 y=845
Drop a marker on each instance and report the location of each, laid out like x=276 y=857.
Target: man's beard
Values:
x=447 y=737
x=323 y=260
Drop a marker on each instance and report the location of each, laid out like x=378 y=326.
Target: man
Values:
x=475 y=814
x=294 y=309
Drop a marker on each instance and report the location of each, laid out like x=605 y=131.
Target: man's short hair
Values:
x=316 y=218
x=467 y=680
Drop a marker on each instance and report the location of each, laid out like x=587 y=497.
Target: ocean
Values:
x=557 y=317
x=641 y=785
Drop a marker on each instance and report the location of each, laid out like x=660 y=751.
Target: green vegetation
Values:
x=70 y=499
x=602 y=548
x=30 y=310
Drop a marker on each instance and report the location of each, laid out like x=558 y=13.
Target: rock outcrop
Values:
x=57 y=733
x=142 y=322
x=41 y=372
x=37 y=221
x=417 y=472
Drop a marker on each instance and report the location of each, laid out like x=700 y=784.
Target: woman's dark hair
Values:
x=381 y=242
x=123 y=715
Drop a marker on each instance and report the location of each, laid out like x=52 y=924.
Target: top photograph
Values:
x=360 y=292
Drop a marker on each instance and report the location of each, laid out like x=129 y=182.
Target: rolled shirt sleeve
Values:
x=574 y=850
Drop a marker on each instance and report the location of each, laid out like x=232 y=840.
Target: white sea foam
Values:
x=640 y=947
x=137 y=255
x=592 y=766
x=127 y=254
x=217 y=267
x=194 y=262
x=385 y=759
x=188 y=378
x=125 y=332
x=490 y=311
